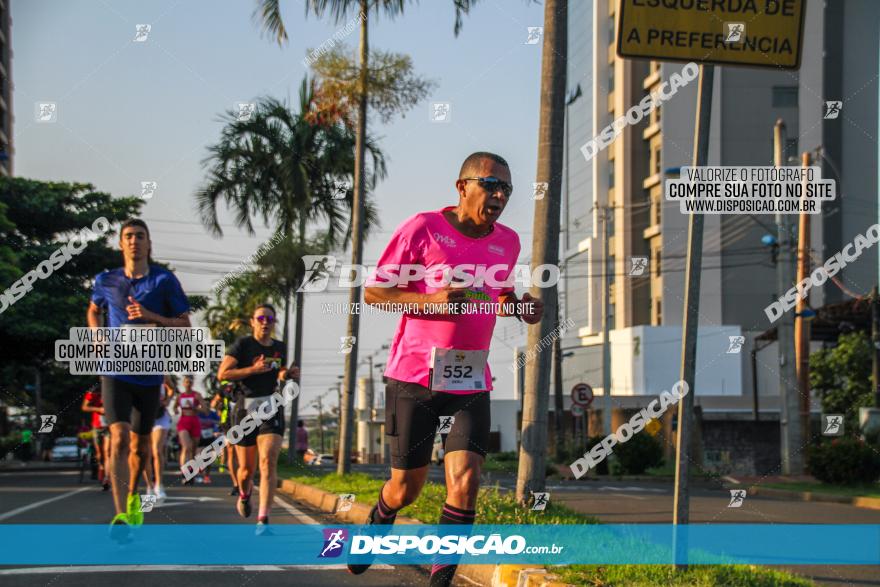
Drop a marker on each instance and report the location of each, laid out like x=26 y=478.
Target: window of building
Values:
x=655 y=158
x=657 y=261
x=658 y=311
x=611 y=29
x=610 y=78
x=611 y=175
x=785 y=96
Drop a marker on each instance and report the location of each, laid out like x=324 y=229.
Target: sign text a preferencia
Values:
x=754 y=33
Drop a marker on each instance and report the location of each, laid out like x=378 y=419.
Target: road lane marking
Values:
x=176 y=569
x=37 y=504
x=299 y=514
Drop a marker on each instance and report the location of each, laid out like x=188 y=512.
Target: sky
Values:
x=130 y=111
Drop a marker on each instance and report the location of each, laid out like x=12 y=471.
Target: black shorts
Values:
x=412 y=417
x=131 y=403
x=274 y=425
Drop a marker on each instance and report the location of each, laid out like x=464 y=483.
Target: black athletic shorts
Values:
x=131 y=403
x=274 y=425
x=412 y=417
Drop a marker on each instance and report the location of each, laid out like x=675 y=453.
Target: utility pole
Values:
x=321 y=421
x=559 y=421
x=802 y=324
x=607 y=212
x=875 y=339
x=689 y=328
x=789 y=400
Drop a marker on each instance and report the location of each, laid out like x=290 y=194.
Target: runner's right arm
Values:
x=229 y=372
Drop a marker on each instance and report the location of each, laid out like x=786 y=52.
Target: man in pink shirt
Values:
x=452 y=272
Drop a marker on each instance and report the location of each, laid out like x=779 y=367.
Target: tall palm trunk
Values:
x=347 y=409
x=545 y=247
x=297 y=358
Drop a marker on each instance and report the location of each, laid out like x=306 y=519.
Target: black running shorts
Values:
x=274 y=425
x=131 y=403
x=412 y=416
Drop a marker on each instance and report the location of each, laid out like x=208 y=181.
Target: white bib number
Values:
x=456 y=370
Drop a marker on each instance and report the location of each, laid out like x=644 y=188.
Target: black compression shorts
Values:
x=412 y=417
x=131 y=403
x=274 y=425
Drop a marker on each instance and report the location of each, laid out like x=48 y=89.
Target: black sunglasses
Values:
x=492 y=185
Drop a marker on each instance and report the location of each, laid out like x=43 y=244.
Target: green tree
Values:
x=36 y=218
x=842 y=377
x=268 y=14
x=288 y=169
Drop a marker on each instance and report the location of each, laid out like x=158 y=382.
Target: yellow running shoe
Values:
x=134 y=513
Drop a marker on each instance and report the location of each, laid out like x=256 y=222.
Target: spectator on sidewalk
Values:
x=302 y=440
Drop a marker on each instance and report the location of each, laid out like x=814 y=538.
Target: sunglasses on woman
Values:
x=492 y=185
x=265 y=319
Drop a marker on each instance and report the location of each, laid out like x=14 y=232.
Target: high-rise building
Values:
x=840 y=62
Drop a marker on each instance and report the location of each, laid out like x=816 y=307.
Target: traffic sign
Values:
x=577 y=410
x=755 y=33
x=582 y=395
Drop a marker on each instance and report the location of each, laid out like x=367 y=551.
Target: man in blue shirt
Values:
x=143 y=294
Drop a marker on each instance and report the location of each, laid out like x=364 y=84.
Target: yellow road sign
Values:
x=754 y=33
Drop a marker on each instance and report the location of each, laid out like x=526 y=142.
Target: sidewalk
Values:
x=17 y=466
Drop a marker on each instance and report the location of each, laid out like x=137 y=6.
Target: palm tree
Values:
x=545 y=245
x=268 y=13
x=286 y=168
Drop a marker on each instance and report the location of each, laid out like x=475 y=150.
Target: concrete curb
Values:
x=484 y=575
x=871 y=503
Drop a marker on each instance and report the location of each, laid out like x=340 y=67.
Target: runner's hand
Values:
x=535 y=305
x=136 y=310
x=261 y=365
x=292 y=372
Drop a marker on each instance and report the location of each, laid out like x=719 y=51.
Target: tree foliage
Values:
x=842 y=377
x=393 y=87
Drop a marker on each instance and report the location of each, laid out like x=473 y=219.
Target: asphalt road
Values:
x=56 y=497
x=641 y=502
